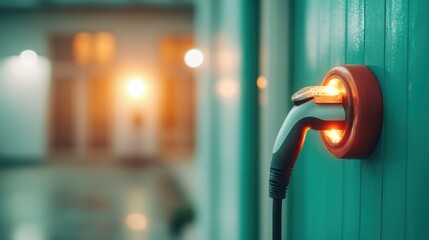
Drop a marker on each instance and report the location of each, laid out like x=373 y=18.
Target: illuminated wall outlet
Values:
x=362 y=101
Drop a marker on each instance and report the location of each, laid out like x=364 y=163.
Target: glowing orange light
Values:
x=334 y=135
x=97 y=48
x=136 y=87
x=331 y=92
x=261 y=82
x=82 y=48
x=136 y=221
x=104 y=47
x=337 y=86
x=227 y=88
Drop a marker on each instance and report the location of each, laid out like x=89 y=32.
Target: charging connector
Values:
x=347 y=109
x=289 y=141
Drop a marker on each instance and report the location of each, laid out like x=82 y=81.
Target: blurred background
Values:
x=97 y=120
x=155 y=119
x=111 y=114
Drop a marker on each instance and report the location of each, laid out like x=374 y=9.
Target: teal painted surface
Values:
x=386 y=195
x=352 y=169
x=249 y=177
x=417 y=212
x=228 y=125
x=208 y=144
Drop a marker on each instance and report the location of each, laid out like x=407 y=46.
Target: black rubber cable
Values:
x=277 y=219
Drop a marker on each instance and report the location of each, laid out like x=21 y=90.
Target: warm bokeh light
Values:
x=82 y=48
x=98 y=48
x=28 y=57
x=194 y=58
x=104 y=47
x=136 y=221
x=227 y=58
x=334 y=135
x=136 y=87
x=227 y=88
x=261 y=82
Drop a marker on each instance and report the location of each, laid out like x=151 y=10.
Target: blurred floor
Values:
x=95 y=202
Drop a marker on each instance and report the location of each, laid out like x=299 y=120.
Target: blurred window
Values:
x=82 y=92
x=82 y=48
x=98 y=48
x=177 y=97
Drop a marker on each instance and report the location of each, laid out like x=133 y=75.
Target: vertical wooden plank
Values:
x=276 y=38
x=208 y=139
x=395 y=120
x=311 y=164
x=312 y=174
x=417 y=210
x=249 y=121
x=372 y=168
x=352 y=168
x=296 y=211
x=334 y=165
x=317 y=161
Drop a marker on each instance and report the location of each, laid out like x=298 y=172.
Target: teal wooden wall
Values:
x=385 y=196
